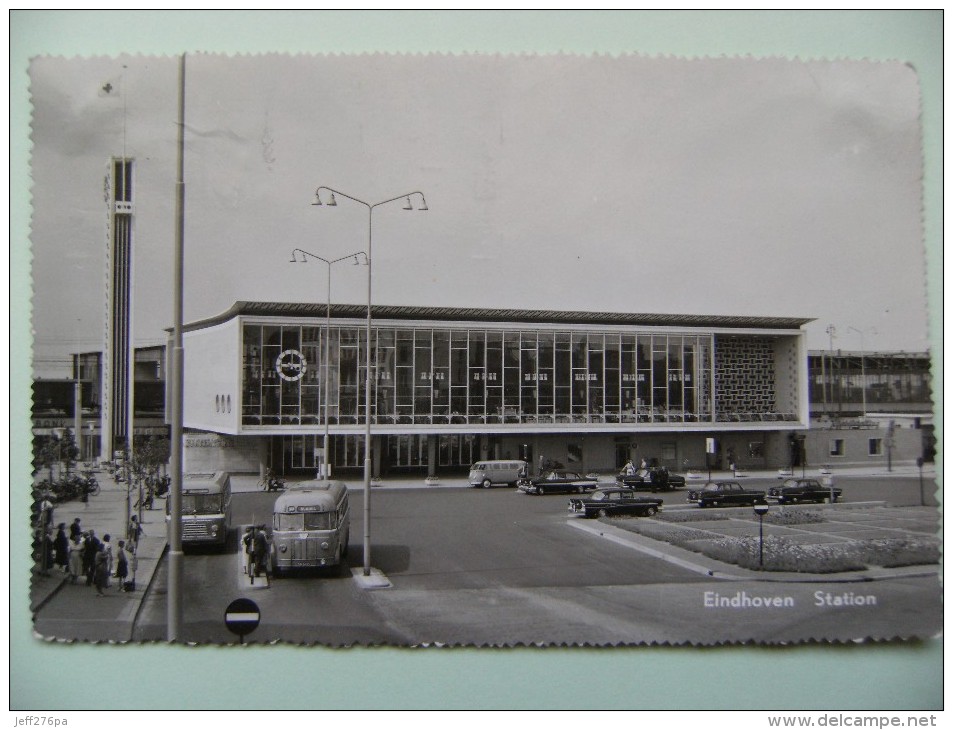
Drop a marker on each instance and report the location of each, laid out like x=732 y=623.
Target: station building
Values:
x=451 y=386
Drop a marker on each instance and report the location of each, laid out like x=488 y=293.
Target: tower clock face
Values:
x=291 y=365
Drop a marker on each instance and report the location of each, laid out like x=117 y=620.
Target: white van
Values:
x=487 y=473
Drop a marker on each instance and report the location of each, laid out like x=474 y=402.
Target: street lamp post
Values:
x=863 y=371
x=325 y=470
x=761 y=510
x=367 y=381
x=829 y=405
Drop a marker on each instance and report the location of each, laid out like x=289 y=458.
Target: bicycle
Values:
x=271 y=483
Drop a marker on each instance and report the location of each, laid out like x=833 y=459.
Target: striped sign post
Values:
x=242 y=617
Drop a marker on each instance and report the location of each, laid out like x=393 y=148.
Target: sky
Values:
x=619 y=184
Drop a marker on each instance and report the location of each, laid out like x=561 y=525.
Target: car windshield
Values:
x=598 y=496
x=790 y=483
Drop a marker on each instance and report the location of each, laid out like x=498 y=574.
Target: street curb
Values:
x=35 y=607
x=140 y=600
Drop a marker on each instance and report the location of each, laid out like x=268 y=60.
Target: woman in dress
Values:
x=76 y=548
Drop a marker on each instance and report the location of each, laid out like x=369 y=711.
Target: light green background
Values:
x=49 y=676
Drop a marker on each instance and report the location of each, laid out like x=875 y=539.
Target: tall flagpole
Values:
x=175 y=497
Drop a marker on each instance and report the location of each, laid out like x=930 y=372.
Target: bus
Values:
x=311 y=523
x=206 y=509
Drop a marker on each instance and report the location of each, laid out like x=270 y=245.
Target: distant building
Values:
x=870 y=407
x=55 y=401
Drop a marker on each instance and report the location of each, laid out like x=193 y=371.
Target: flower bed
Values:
x=781 y=554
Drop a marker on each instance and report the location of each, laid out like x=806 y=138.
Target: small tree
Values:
x=69 y=451
x=148 y=458
x=48 y=454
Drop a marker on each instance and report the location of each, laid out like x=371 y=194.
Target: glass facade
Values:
x=440 y=376
x=841 y=382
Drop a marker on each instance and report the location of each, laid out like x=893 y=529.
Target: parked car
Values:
x=655 y=478
x=792 y=491
x=725 y=494
x=614 y=501
x=558 y=482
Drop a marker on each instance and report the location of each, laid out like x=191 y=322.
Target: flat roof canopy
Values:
x=518 y=316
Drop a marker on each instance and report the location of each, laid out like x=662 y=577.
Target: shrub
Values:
x=784 y=556
x=795 y=517
x=700 y=516
x=894 y=552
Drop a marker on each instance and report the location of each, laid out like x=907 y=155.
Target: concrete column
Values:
x=432 y=453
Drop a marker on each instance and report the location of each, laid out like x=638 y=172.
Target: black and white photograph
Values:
x=480 y=351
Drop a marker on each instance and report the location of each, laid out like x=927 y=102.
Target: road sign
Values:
x=242 y=617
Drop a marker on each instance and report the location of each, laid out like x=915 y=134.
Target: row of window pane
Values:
x=442 y=375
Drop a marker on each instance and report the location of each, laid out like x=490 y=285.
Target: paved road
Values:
x=490 y=567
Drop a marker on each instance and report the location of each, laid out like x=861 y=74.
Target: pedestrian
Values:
x=46 y=511
x=90 y=550
x=48 y=551
x=61 y=547
x=108 y=549
x=101 y=570
x=629 y=468
x=134 y=531
x=260 y=546
x=75 y=530
x=122 y=566
x=133 y=567
x=76 y=548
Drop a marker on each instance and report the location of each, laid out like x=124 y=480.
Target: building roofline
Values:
x=915 y=354
x=474 y=314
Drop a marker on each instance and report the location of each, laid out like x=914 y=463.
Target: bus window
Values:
x=201 y=504
x=304 y=521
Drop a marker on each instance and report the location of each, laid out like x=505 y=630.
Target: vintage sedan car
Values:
x=655 y=478
x=725 y=494
x=792 y=491
x=558 y=482
x=612 y=501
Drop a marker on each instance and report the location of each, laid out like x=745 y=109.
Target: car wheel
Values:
x=602 y=513
x=794 y=500
x=487 y=484
x=540 y=491
x=651 y=511
x=579 y=490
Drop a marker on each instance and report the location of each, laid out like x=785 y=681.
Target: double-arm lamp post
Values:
x=332 y=201
x=299 y=255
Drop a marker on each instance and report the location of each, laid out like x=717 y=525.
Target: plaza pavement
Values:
x=115 y=616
